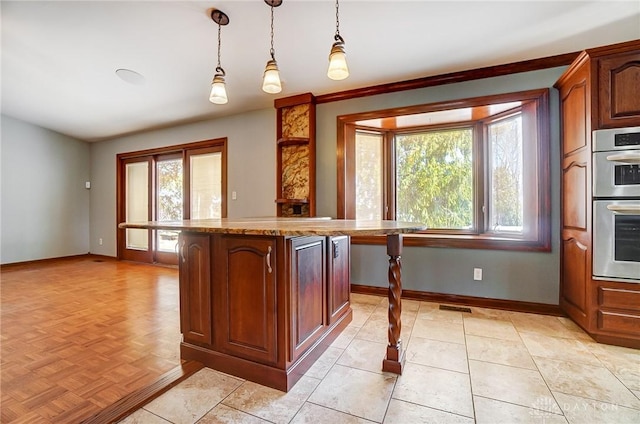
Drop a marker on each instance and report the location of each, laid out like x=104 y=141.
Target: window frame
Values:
x=536 y=99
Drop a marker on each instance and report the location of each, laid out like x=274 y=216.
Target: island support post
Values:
x=394 y=359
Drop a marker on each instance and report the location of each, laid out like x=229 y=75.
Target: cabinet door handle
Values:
x=182 y=252
x=336 y=251
x=268 y=259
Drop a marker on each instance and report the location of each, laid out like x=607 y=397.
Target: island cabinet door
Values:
x=195 y=288
x=307 y=263
x=339 y=284
x=245 y=297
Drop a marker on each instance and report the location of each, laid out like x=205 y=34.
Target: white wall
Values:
x=251 y=168
x=45 y=205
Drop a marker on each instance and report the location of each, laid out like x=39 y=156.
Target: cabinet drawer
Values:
x=619 y=298
x=615 y=322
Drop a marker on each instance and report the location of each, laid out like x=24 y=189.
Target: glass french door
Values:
x=173 y=185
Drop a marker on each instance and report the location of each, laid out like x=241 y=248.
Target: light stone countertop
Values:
x=272 y=226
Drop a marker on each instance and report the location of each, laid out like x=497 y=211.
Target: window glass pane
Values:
x=206 y=186
x=506 y=177
x=137 y=203
x=169 y=201
x=434 y=178
x=369 y=177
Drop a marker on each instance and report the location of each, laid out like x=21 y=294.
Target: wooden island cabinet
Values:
x=600 y=90
x=262 y=299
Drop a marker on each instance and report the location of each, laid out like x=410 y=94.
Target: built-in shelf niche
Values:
x=296 y=156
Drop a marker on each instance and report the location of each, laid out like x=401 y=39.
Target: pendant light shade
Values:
x=338 y=69
x=271 y=79
x=218 y=87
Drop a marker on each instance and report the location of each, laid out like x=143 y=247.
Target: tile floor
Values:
x=487 y=366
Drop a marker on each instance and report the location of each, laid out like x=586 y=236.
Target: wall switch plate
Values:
x=87 y=184
x=477 y=274
x=100 y=242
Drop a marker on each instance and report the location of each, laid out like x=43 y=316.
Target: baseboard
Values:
x=480 y=302
x=49 y=261
x=141 y=397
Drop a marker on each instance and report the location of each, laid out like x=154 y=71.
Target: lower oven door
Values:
x=616 y=239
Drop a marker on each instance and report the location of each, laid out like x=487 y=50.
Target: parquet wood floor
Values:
x=79 y=334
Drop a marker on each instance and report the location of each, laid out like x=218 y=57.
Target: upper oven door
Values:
x=616 y=173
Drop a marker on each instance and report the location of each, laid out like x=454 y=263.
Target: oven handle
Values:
x=631 y=158
x=625 y=209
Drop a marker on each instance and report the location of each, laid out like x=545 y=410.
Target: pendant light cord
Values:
x=219 y=68
x=272 y=51
x=337 y=36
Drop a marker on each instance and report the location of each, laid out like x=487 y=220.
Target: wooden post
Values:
x=394 y=360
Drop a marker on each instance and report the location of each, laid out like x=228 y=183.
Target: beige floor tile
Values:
x=623 y=362
x=324 y=363
x=578 y=332
x=407 y=305
x=587 y=381
x=361 y=393
x=444 y=390
x=376 y=328
x=315 y=414
x=142 y=416
x=194 y=397
x=438 y=354
x=493 y=328
x=361 y=313
x=360 y=298
x=343 y=340
x=432 y=311
x=541 y=324
x=405 y=412
x=509 y=384
x=271 y=404
x=584 y=411
x=222 y=414
x=504 y=352
x=365 y=355
x=491 y=314
x=560 y=349
x=491 y=411
x=445 y=331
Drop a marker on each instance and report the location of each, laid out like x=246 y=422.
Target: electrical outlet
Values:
x=234 y=195
x=100 y=241
x=477 y=274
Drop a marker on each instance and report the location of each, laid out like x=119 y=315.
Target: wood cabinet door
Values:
x=339 y=283
x=619 y=90
x=307 y=292
x=195 y=288
x=575 y=267
x=245 y=304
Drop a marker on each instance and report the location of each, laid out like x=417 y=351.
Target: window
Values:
x=168 y=184
x=475 y=171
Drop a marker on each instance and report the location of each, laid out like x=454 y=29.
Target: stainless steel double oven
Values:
x=616 y=204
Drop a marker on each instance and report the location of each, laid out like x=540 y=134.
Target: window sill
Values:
x=461 y=242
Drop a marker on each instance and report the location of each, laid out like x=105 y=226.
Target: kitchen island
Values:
x=262 y=298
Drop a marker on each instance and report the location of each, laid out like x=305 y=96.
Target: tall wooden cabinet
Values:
x=601 y=89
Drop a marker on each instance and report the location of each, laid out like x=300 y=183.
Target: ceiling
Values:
x=59 y=58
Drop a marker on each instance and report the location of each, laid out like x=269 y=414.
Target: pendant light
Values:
x=338 y=69
x=218 y=88
x=271 y=78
